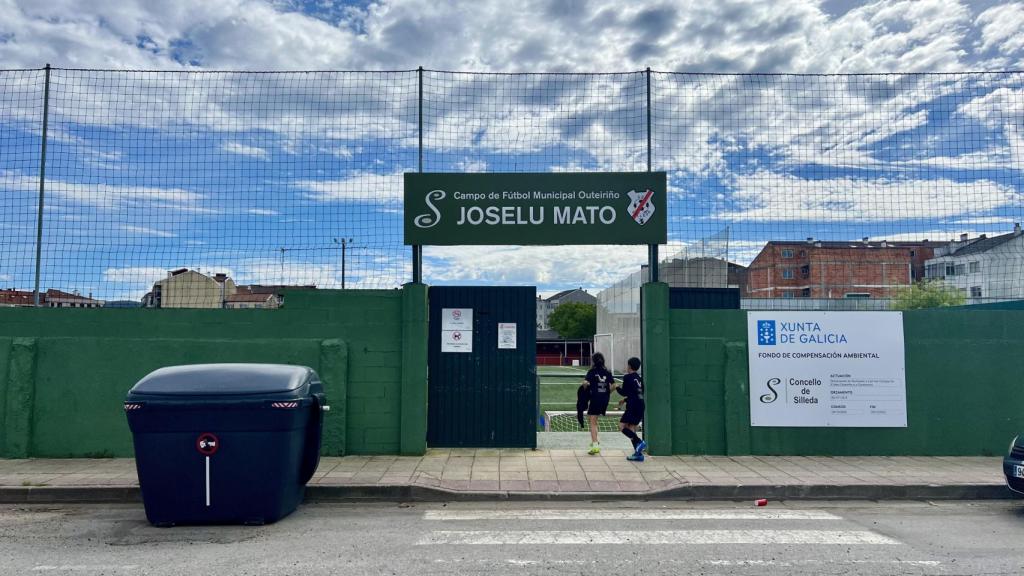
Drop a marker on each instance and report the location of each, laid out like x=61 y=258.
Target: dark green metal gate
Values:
x=486 y=397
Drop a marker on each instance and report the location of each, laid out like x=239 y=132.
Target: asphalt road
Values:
x=849 y=538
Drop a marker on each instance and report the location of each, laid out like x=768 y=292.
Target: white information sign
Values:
x=506 y=336
x=456 y=341
x=827 y=369
x=457 y=319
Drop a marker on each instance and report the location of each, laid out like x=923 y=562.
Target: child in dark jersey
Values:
x=599 y=382
x=632 y=390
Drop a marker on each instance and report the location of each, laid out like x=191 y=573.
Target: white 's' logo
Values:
x=430 y=220
x=641 y=207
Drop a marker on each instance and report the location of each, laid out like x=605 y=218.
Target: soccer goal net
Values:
x=565 y=421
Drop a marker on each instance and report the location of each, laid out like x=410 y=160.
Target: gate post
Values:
x=656 y=367
x=413 y=433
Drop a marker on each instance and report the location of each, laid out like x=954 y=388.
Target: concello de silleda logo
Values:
x=431 y=219
x=641 y=206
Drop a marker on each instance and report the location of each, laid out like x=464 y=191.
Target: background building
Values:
x=59 y=299
x=545 y=306
x=184 y=288
x=982 y=267
x=49 y=299
x=835 y=270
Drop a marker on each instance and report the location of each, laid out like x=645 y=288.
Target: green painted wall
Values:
x=660 y=419
x=64 y=372
x=965 y=389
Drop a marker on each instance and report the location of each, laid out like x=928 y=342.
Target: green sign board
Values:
x=536 y=209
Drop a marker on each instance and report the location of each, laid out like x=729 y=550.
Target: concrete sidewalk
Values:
x=468 y=474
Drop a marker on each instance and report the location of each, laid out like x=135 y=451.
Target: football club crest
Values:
x=641 y=205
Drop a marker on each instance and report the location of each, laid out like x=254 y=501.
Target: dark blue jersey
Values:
x=600 y=381
x=633 y=389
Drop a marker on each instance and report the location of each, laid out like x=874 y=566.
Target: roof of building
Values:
x=983 y=244
x=61 y=295
x=857 y=244
x=564 y=293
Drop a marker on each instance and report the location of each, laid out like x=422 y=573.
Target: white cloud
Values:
x=109 y=196
x=245 y=150
x=144 y=275
x=263 y=212
x=996 y=108
x=143 y=230
x=1001 y=28
x=6 y=277
x=599 y=35
x=768 y=196
x=359 y=186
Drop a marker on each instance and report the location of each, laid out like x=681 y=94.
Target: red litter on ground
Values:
x=761 y=502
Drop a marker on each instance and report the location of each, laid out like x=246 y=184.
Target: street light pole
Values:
x=344 y=242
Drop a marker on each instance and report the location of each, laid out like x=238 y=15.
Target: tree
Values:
x=574 y=320
x=928 y=294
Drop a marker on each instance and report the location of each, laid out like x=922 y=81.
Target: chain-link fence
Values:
x=220 y=188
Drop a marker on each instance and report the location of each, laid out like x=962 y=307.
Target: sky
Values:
x=260 y=176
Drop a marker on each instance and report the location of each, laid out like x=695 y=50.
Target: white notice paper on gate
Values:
x=456 y=341
x=827 y=369
x=506 y=336
x=457 y=319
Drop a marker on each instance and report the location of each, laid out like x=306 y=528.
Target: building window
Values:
x=975 y=291
x=805 y=271
x=787 y=273
x=803 y=254
x=787 y=253
x=805 y=293
x=858 y=295
x=960 y=270
x=933 y=271
x=950 y=269
x=975 y=267
x=913 y=253
x=787 y=294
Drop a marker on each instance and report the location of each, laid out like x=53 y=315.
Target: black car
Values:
x=1013 y=465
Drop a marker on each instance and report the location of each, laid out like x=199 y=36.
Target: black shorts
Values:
x=598 y=406
x=633 y=414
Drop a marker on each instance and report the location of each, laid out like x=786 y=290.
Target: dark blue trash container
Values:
x=225 y=443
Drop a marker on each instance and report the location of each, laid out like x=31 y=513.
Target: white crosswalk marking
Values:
x=628 y=514
x=491 y=537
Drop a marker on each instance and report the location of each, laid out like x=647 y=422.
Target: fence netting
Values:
x=226 y=188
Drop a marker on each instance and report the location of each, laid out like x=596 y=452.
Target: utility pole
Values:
x=282 y=249
x=344 y=244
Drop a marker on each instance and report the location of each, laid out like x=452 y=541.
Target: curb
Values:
x=416 y=493
x=70 y=495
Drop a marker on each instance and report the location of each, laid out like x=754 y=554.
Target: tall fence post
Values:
x=417 y=251
x=42 y=187
x=652 y=249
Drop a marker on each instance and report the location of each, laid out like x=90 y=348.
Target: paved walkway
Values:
x=556 y=473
